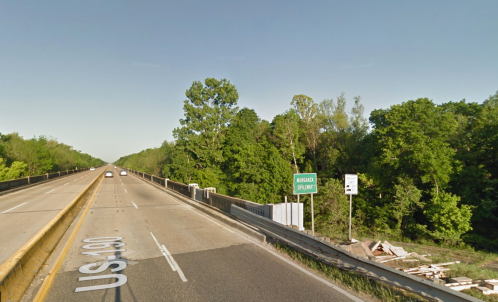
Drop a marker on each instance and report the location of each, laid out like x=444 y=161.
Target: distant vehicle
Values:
x=115 y=167
x=109 y=174
x=92 y=169
x=123 y=173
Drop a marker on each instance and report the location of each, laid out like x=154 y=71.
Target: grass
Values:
x=473 y=264
x=351 y=280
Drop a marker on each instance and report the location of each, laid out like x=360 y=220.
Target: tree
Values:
x=208 y=111
x=286 y=134
x=40 y=155
x=182 y=165
x=406 y=201
x=18 y=169
x=308 y=111
x=449 y=222
x=254 y=168
x=332 y=207
x=412 y=139
x=341 y=147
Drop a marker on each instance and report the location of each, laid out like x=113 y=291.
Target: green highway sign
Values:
x=305 y=183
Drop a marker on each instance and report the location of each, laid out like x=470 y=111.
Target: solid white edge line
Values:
x=134 y=205
x=178 y=269
x=163 y=252
x=14 y=207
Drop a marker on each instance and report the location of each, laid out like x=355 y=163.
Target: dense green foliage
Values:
x=23 y=157
x=426 y=171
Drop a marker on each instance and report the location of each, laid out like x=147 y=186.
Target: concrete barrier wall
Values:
x=15 y=183
x=9 y=184
x=17 y=273
x=38 y=178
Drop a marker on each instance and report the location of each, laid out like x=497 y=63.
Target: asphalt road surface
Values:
x=137 y=243
x=23 y=213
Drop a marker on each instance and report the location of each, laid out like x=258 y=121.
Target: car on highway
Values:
x=92 y=169
x=109 y=174
x=123 y=173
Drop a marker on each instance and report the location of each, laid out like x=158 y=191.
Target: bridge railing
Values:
x=219 y=201
x=20 y=182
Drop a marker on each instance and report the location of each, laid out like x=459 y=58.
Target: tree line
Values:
x=21 y=157
x=426 y=171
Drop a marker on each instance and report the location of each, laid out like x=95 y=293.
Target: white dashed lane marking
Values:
x=14 y=207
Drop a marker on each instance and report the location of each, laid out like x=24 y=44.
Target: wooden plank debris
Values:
x=366 y=247
x=486 y=290
x=359 y=250
x=457 y=279
x=429 y=271
x=374 y=245
x=386 y=247
x=398 y=251
x=391 y=259
x=461 y=287
x=492 y=284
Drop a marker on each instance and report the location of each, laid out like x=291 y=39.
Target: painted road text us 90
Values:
x=113 y=261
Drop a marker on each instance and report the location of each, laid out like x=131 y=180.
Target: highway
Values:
x=138 y=242
x=23 y=213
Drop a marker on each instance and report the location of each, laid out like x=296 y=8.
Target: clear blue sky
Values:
x=109 y=77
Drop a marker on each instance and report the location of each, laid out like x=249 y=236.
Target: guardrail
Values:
x=254 y=214
x=19 y=270
x=16 y=183
x=344 y=259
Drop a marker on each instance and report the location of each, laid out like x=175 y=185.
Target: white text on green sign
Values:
x=305 y=183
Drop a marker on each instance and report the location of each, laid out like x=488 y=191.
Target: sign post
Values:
x=351 y=188
x=305 y=183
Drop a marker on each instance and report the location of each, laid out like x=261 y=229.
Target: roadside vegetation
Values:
x=366 y=286
x=427 y=172
x=21 y=157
